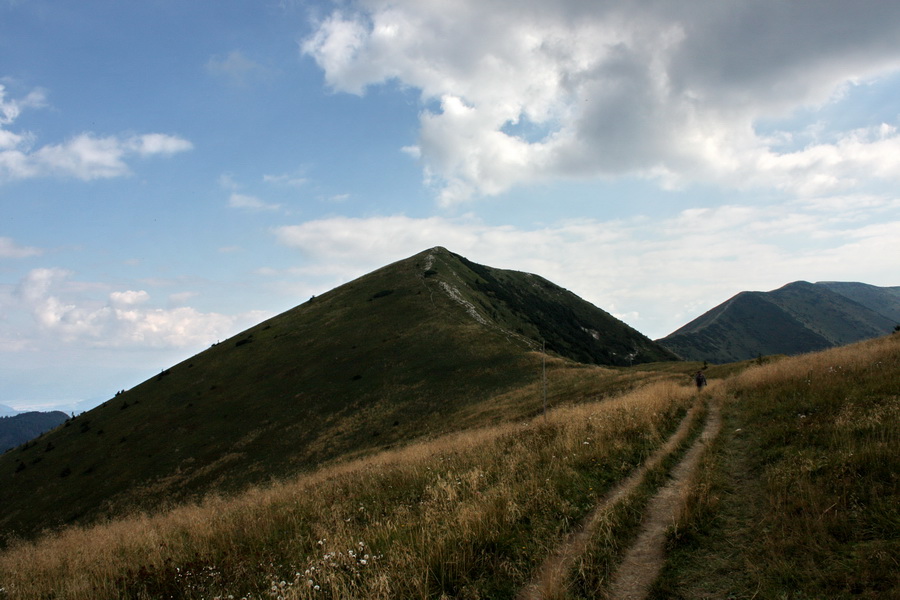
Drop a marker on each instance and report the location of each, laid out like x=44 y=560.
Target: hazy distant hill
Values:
x=20 y=428
x=422 y=346
x=799 y=317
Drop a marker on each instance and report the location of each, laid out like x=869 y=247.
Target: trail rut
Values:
x=550 y=581
x=645 y=559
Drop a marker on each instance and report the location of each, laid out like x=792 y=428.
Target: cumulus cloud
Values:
x=655 y=274
x=128 y=298
x=519 y=92
x=62 y=311
x=85 y=156
x=11 y=108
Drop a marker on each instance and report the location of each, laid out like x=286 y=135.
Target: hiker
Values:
x=700 y=380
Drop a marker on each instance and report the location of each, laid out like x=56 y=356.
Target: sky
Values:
x=174 y=172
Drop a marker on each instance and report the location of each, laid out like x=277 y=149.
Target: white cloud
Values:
x=88 y=157
x=246 y=202
x=10 y=249
x=533 y=91
x=84 y=156
x=128 y=298
x=10 y=109
x=657 y=274
x=157 y=143
x=63 y=312
x=370 y=241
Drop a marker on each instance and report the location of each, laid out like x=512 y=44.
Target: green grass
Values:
x=800 y=497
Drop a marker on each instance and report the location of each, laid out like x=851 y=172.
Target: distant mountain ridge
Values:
x=796 y=318
x=23 y=427
x=883 y=300
x=423 y=346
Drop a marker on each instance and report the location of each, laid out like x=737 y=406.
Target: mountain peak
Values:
x=414 y=347
x=795 y=318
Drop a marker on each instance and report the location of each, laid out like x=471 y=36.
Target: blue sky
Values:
x=173 y=172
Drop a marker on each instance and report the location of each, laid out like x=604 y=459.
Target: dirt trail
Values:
x=645 y=558
x=551 y=578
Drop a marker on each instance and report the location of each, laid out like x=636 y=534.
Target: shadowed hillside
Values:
x=427 y=345
x=883 y=300
x=799 y=317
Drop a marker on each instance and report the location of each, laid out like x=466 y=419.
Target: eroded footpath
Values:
x=551 y=579
x=645 y=558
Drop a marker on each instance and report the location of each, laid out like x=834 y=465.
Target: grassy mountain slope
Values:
x=799 y=317
x=797 y=498
x=532 y=306
x=427 y=345
x=883 y=300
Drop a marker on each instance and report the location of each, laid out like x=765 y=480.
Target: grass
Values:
x=800 y=496
x=368 y=366
x=468 y=515
x=620 y=525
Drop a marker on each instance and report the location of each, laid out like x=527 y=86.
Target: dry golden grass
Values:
x=468 y=515
x=797 y=498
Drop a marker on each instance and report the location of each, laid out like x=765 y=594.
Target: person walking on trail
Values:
x=700 y=380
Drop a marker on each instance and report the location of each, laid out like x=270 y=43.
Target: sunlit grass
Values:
x=467 y=515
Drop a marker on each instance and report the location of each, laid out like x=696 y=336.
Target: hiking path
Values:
x=645 y=558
